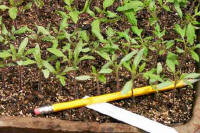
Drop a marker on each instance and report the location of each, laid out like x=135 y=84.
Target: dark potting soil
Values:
x=17 y=99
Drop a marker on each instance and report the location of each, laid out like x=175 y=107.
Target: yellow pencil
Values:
x=105 y=98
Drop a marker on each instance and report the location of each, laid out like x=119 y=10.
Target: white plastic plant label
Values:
x=131 y=118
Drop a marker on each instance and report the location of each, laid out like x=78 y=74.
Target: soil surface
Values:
x=20 y=99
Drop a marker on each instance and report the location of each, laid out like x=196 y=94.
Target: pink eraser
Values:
x=37 y=111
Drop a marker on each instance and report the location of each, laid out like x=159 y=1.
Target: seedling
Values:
x=113 y=62
x=135 y=69
x=99 y=76
x=4 y=55
x=19 y=57
x=189 y=46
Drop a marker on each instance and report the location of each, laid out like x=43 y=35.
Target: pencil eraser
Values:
x=37 y=111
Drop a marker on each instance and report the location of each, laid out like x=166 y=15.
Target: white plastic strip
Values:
x=131 y=118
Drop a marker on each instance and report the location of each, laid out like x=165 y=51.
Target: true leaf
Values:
x=3 y=7
x=135 y=5
x=190 y=33
x=83 y=77
x=74 y=15
x=138 y=57
x=56 y=52
x=159 y=68
x=42 y=30
x=22 y=46
x=96 y=30
x=178 y=9
x=4 y=54
x=48 y=66
x=23 y=30
x=136 y=30
x=46 y=73
x=180 y=30
x=25 y=63
x=128 y=57
x=13 y=12
x=104 y=55
x=127 y=87
x=194 y=55
x=107 y=3
x=105 y=71
x=172 y=60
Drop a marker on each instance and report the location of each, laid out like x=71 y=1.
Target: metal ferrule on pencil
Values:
x=43 y=110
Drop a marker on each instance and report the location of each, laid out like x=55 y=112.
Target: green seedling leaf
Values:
x=178 y=9
x=39 y=3
x=196 y=47
x=163 y=85
x=110 y=32
x=190 y=75
x=102 y=78
x=111 y=14
x=4 y=30
x=105 y=71
x=94 y=70
x=152 y=5
x=107 y=3
x=27 y=6
x=74 y=15
x=3 y=7
x=159 y=68
x=137 y=31
x=172 y=61
x=157 y=31
x=22 y=46
x=25 y=63
x=68 y=69
x=86 y=57
x=48 y=66
x=180 y=31
x=42 y=30
x=1 y=39
x=127 y=57
x=14 y=53
x=46 y=73
x=104 y=55
x=5 y=54
x=83 y=77
x=190 y=33
x=84 y=35
x=13 y=12
x=135 y=5
x=23 y=30
x=127 y=65
x=169 y=44
x=61 y=79
x=68 y=2
x=194 y=55
x=56 y=52
x=179 y=50
x=0 y=20
x=131 y=17
x=96 y=30
x=37 y=56
x=127 y=87
x=141 y=68
x=138 y=58
x=63 y=23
